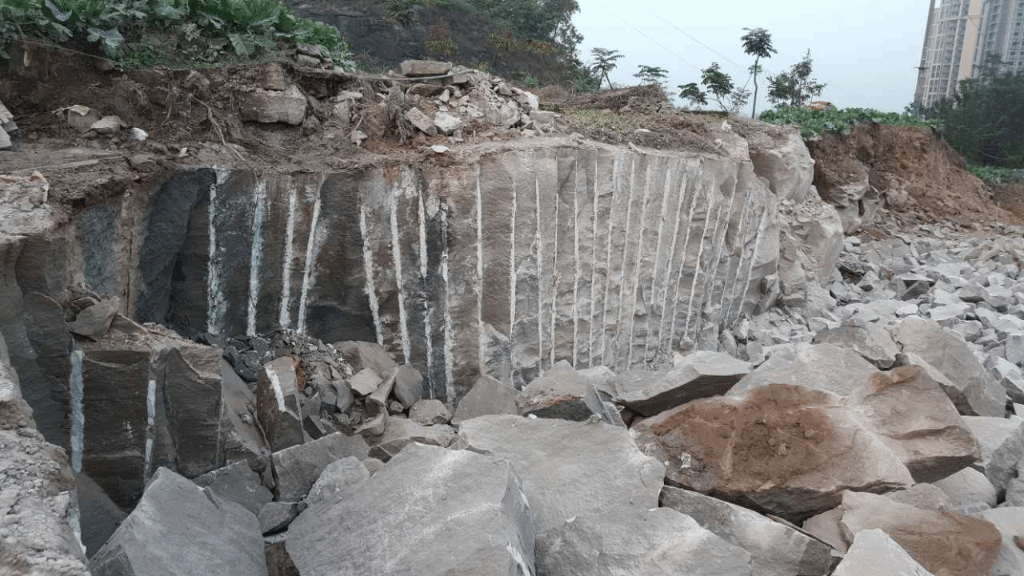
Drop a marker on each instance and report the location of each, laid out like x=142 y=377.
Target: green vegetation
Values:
x=757 y=42
x=605 y=61
x=996 y=176
x=148 y=32
x=817 y=122
x=795 y=87
x=719 y=87
x=653 y=75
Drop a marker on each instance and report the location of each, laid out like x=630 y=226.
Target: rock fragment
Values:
x=874 y=553
x=697 y=375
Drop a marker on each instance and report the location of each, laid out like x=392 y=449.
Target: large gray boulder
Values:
x=237 y=483
x=973 y=390
x=658 y=542
x=775 y=548
x=871 y=341
x=278 y=404
x=488 y=396
x=969 y=489
x=945 y=543
x=698 y=375
x=873 y=553
x=296 y=469
x=1010 y=523
x=561 y=393
x=180 y=528
x=816 y=366
x=569 y=468
x=401 y=432
x=430 y=511
x=783 y=449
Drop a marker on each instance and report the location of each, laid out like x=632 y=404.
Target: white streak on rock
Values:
x=371 y=290
x=481 y=335
x=150 y=428
x=608 y=261
x=555 y=273
x=215 y=300
x=657 y=259
x=593 y=270
x=428 y=331
x=732 y=285
x=396 y=257
x=285 y=319
x=671 y=259
x=619 y=319
x=709 y=292
x=512 y=272
x=639 y=258
x=576 y=262
x=700 y=257
x=256 y=256
x=449 y=371
x=686 y=250
x=753 y=256
x=312 y=248
x=538 y=258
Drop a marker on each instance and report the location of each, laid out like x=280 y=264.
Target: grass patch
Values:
x=817 y=122
x=995 y=176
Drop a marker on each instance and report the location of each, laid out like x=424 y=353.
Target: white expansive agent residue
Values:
x=313 y=244
x=449 y=368
x=697 y=266
x=215 y=300
x=371 y=289
x=682 y=258
x=77 y=414
x=512 y=263
x=539 y=256
x=482 y=335
x=284 y=319
x=150 y=428
x=608 y=262
x=576 y=262
x=256 y=256
x=427 y=323
x=684 y=181
x=657 y=258
x=407 y=185
x=645 y=204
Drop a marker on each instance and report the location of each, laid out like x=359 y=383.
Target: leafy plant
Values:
x=992 y=176
x=757 y=42
x=796 y=87
x=720 y=88
x=443 y=46
x=651 y=74
x=531 y=81
x=817 y=122
x=605 y=61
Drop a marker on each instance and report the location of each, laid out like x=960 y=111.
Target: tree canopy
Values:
x=795 y=87
x=757 y=42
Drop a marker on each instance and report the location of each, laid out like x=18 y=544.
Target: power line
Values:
x=659 y=44
x=694 y=38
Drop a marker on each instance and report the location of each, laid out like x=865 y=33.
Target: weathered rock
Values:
x=488 y=396
x=560 y=393
x=816 y=366
x=413 y=68
x=447 y=123
x=276 y=516
x=278 y=404
x=569 y=468
x=271 y=106
x=658 y=542
x=826 y=527
x=421 y=121
x=365 y=382
x=180 y=528
x=874 y=553
x=337 y=476
x=775 y=450
x=1007 y=460
x=241 y=438
x=81 y=118
x=400 y=432
x=872 y=342
x=783 y=159
x=923 y=496
x=362 y=355
x=775 y=549
x=429 y=412
x=469 y=507
x=968 y=489
x=947 y=544
x=99 y=516
x=108 y=125
x=239 y=484
x=1010 y=523
x=408 y=386
x=1014 y=493
x=296 y=469
x=1009 y=376
x=94 y=321
x=974 y=391
x=915 y=418
x=698 y=375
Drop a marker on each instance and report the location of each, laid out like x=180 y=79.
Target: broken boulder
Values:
x=560 y=393
x=239 y=484
x=817 y=366
x=488 y=396
x=271 y=106
x=296 y=469
x=874 y=553
x=337 y=476
x=279 y=402
x=429 y=412
x=1010 y=523
x=969 y=490
x=698 y=375
x=871 y=341
x=430 y=511
x=400 y=432
x=419 y=68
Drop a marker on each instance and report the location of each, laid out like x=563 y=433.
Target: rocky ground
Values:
x=868 y=418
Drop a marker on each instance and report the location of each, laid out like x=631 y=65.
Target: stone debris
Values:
x=1010 y=523
x=775 y=548
x=297 y=469
x=173 y=517
x=657 y=542
x=874 y=553
x=488 y=396
x=561 y=393
x=968 y=490
x=278 y=404
x=429 y=412
x=420 y=514
x=401 y=432
x=697 y=375
x=94 y=321
x=287 y=106
x=239 y=484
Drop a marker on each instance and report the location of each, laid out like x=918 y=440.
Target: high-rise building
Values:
x=1002 y=31
x=950 y=47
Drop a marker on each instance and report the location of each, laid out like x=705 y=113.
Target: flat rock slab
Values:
x=697 y=375
x=1010 y=523
x=560 y=393
x=296 y=469
x=362 y=355
x=430 y=511
x=658 y=542
x=967 y=489
x=179 y=528
x=278 y=404
x=873 y=553
x=487 y=397
x=775 y=549
x=915 y=418
x=946 y=544
x=400 y=432
x=412 y=68
x=569 y=468
x=338 y=476
x=871 y=341
x=783 y=449
x=429 y=412
x=817 y=366
x=972 y=389
x=239 y=484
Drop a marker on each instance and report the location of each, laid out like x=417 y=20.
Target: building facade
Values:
x=1001 y=35
x=950 y=47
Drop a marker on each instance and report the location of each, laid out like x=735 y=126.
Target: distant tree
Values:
x=719 y=87
x=653 y=75
x=796 y=87
x=757 y=42
x=604 y=62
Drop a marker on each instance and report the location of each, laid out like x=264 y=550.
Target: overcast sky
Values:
x=866 y=51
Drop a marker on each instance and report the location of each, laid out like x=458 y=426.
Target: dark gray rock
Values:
x=408 y=386
x=296 y=469
x=239 y=484
x=569 y=468
x=279 y=563
x=364 y=382
x=180 y=528
x=400 y=432
x=241 y=437
x=99 y=516
x=276 y=516
x=430 y=511
x=775 y=548
x=561 y=394
x=488 y=396
x=698 y=375
x=278 y=404
x=362 y=355
x=632 y=542
x=337 y=476
x=94 y=321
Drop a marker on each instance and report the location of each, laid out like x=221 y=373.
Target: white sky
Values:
x=866 y=51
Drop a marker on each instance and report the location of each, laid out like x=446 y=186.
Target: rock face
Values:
x=875 y=554
x=658 y=542
x=698 y=375
x=429 y=511
x=946 y=544
x=973 y=391
x=179 y=528
x=776 y=450
x=569 y=468
x=775 y=549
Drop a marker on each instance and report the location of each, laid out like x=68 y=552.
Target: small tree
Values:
x=719 y=87
x=796 y=87
x=651 y=74
x=757 y=42
x=604 y=62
